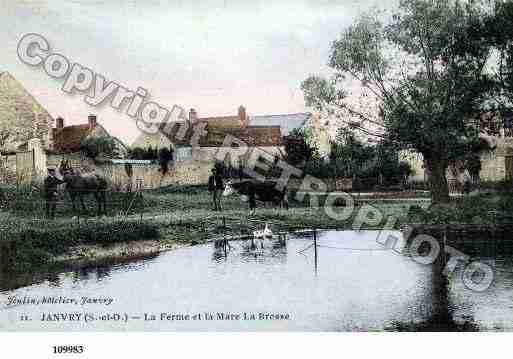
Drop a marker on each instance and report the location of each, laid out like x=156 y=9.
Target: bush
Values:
x=472 y=209
x=93 y=147
x=26 y=199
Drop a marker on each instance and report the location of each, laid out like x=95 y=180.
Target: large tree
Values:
x=418 y=79
x=498 y=30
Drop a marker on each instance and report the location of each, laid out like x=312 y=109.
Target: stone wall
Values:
x=209 y=154
x=186 y=173
x=193 y=171
x=189 y=172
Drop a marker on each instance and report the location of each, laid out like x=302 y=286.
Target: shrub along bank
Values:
x=478 y=209
x=34 y=245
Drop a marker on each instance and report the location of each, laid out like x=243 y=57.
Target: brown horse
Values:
x=79 y=185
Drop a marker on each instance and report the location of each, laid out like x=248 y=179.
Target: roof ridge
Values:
x=284 y=114
x=263 y=126
x=211 y=117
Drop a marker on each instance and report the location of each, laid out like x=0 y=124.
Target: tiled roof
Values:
x=173 y=132
x=251 y=136
x=68 y=139
x=222 y=121
x=287 y=122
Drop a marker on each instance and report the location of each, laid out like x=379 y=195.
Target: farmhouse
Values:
x=68 y=140
x=262 y=132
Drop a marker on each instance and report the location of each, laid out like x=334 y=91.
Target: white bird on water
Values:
x=260 y=235
x=265 y=233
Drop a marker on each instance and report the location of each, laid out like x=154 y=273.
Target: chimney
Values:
x=193 y=116
x=92 y=121
x=59 y=123
x=243 y=117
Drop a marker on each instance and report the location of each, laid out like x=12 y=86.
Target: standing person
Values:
x=212 y=188
x=219 y=188
x=252 y=202
x=50 y=191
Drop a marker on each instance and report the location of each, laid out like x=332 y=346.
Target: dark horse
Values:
x=78 y=186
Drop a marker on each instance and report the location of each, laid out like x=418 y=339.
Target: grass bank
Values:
x=27 y=244
x=171 y=216
x=485 y=208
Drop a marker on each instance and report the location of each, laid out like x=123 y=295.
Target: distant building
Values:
x=67 y=139
x=179 y=135
x=286 y=122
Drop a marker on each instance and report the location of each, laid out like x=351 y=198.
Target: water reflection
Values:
x=269 y=251
x=53 y=279
x=360 y=285
x=439 y=308
x=10 y=280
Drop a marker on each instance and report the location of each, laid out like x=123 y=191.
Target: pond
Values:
x=359 y=285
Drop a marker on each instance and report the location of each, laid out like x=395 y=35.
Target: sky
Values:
x=209 y=55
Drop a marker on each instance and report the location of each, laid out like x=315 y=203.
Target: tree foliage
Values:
x=419 y=78
x=94 y=147
x=497 y=29
x=297 y=148
x=148 y=153
x=351 y=158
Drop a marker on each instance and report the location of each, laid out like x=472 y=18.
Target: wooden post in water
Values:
x=224 y=237
x=315 y=250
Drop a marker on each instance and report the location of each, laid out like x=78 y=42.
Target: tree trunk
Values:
x=438 y=181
